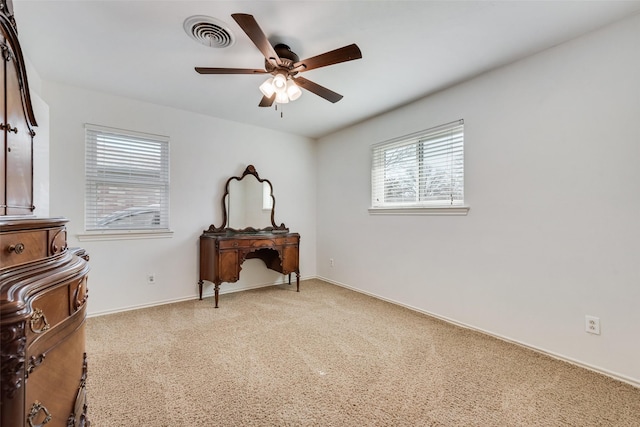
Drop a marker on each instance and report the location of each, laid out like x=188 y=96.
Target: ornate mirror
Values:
x=248 y=205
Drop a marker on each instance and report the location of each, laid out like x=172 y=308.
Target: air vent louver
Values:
x=208 y=31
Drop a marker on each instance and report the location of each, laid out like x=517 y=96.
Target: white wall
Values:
x=552 y=147
x=204 y=152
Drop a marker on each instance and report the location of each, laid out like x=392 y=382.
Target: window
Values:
x=127 y=180
x=421 y=170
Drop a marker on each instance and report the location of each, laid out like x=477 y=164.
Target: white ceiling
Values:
x=138 y=49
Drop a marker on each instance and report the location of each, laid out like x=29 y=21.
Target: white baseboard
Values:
x=632 y=381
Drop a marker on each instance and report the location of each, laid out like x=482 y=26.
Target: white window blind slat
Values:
x=127 y=180
x=420 y=170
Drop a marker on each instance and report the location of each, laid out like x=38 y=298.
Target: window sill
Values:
x=435 y=210
x=124 y=235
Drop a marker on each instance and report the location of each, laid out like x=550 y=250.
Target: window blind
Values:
x=127 y=180
x=420 y=170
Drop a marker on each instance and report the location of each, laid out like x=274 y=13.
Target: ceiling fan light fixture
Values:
x=293 y=91
x=280 y=83
x=282 y=97
x=284 y=88
x=267 y=88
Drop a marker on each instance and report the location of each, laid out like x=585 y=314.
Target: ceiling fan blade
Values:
x=343 y=54
x=322 y=91
x=267 y=101
x=253 y=30
x=206 y=70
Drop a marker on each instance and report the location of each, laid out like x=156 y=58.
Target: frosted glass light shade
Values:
x=283 y=87
x=267 y=87
x=293 y=90
x=280 y=82
x=282 y=98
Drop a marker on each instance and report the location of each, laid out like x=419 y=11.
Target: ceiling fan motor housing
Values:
x=287 y=57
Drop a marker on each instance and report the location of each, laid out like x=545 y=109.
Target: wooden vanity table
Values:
x=247 y=199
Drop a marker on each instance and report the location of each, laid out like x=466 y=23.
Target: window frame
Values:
x=148 y=150
x=414 y=142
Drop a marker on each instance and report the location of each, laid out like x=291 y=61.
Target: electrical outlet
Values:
x=592 y=324
x=330 y=262
x=151 y=279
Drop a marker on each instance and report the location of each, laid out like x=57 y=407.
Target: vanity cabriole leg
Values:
x=297 y=281
x=216 y=289
x=200 y=286
x=289 y=279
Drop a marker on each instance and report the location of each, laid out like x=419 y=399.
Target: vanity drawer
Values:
x=27 y=246
x=265 y=243
x=247 y=243
x=231 y=244
x=257 y=243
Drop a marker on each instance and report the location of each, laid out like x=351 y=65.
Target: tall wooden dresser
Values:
x=43 y=310
x=43 y=283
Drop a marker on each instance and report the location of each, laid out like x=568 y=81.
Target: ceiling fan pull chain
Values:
x=281 y=112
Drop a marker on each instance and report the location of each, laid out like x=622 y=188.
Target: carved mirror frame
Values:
x=250 y=171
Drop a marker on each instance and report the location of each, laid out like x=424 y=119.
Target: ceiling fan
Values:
x=285 y=65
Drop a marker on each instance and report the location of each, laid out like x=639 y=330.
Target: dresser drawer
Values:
x=28 y=246
x=22 y=247
x=49 y=309
x=56 y=381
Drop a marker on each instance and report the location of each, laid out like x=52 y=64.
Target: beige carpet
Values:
x=328 y=356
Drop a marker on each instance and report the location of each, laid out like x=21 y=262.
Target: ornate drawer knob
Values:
x=18 y=248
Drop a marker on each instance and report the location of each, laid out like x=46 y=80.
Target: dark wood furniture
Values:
x=43 y=284
x=247 y=199
x=42 y=316
x=16 y=158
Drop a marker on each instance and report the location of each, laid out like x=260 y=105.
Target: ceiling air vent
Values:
x=208 y=31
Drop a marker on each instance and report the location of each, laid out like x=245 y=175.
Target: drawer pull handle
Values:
x=81 y=295
x=36 y=408
x=38 y=322
x=18 y=248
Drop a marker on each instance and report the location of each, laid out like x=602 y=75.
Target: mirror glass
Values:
x=249 y=203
